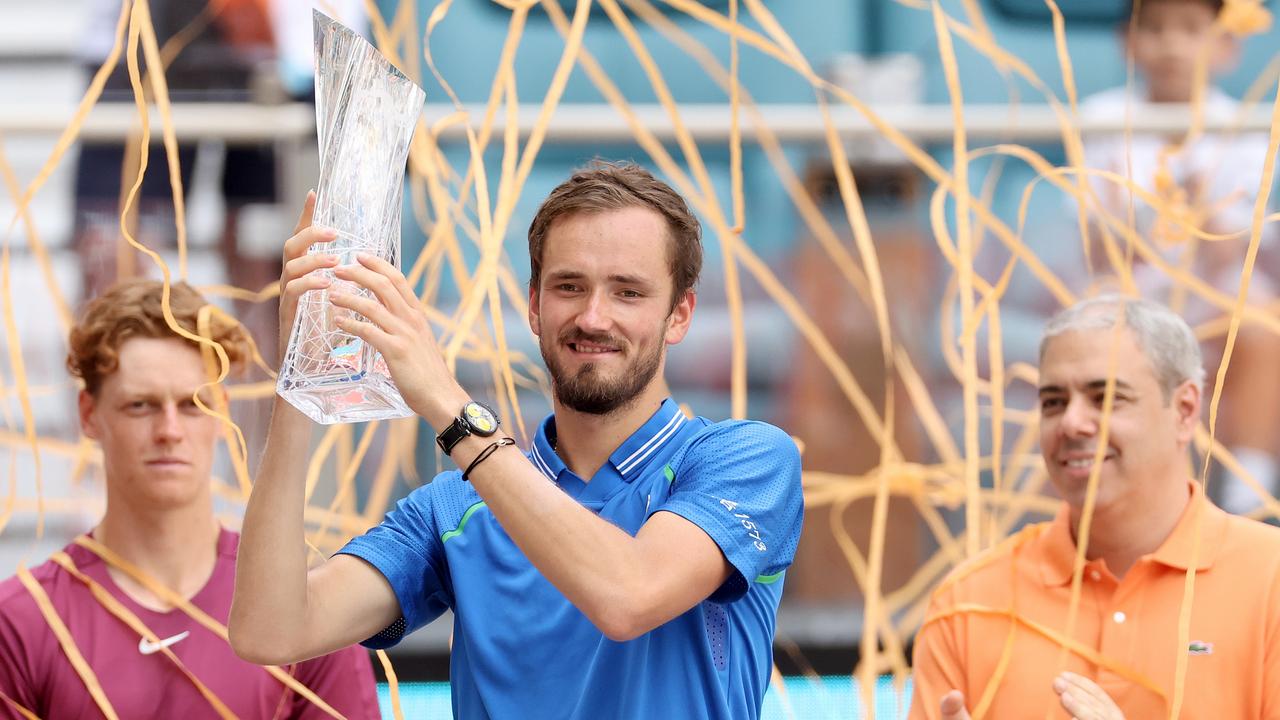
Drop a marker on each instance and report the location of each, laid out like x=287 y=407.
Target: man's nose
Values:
x=594 y=316
x=1080 y=419
x=169 y=423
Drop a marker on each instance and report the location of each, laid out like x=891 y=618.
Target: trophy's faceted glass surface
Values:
x=366 y=110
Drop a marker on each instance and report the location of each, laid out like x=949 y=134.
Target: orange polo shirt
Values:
x=1126 y=631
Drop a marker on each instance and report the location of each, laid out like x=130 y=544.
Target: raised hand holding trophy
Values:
x=366 y=111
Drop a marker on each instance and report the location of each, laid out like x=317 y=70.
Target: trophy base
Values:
x=359 y=399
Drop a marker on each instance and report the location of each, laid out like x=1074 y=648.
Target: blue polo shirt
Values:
x=521 y=650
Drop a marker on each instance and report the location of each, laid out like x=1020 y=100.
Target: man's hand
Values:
x=397 y=328
x=1082 y=697
x=282 y=613
x=952 y=706
x=298 y=275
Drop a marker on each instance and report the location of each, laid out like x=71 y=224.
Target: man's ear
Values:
x=680 y=318
x=1186 y=403
x=535 y=312
x=85 y=404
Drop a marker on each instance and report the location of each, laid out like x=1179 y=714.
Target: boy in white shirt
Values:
x=1212 y=180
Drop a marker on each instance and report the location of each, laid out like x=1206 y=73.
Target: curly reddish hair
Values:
x=132 y=309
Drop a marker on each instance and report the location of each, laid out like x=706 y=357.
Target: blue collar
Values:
x=631 y=457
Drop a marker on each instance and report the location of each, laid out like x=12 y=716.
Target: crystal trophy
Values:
x=366 y=111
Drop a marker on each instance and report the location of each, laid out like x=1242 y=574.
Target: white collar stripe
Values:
x=664 y=435
x=662 y=438
x=542 y=464
x=630 y=460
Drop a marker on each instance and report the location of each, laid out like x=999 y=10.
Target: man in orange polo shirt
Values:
x=1000 y=638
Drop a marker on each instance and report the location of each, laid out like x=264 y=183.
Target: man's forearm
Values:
x=271 y=569
x=605 y=572
x=586 y=558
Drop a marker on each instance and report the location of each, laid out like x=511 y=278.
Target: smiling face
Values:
x=602 y=309
x=157 y=445
x=1148 y=434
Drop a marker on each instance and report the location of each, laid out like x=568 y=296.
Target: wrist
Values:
x=474 y=419
x=440 y=410
x=484 y=454
x=284 y=413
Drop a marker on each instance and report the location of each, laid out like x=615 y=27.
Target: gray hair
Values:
x=1167 y=340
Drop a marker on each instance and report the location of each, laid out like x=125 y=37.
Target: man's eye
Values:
x=631 y=294
x=567 y=287
x=1050 y=403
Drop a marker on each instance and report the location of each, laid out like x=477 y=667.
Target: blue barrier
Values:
x=824 y=698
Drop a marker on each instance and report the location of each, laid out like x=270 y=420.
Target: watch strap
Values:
x=452 y=435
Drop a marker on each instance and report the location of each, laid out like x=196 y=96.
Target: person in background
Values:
x=1213 y=183
x=996 y=631
x=112 y=597
x=225 y=52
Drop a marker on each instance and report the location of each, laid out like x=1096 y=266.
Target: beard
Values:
x=588 y=390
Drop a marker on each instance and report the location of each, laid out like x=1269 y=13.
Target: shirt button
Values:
x=1095 y=575
x=1118 y=617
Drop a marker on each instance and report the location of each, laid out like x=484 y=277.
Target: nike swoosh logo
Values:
x=148 y=648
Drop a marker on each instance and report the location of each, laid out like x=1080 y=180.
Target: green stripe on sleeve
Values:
x=671 y=475
x=462 y=524
x=770 y=579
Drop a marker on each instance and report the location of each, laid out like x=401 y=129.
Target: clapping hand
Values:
x=952 y=706
x=1084 y=699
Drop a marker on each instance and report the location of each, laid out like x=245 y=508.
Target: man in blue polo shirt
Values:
x=629 y=565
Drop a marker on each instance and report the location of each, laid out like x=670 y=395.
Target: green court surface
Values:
x=825 y=698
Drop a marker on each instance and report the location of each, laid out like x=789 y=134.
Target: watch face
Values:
x=480 y=418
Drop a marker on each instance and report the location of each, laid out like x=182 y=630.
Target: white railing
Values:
x=591 y=123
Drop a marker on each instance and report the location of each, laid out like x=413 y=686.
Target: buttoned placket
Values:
x=1119 y=634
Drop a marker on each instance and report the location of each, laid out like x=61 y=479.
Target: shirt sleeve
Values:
x=936 y=664
x=344 y=679
x=406 y=548
x=18 y=682
x=740 y=483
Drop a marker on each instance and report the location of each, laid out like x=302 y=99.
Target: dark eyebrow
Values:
x=1091 y=385
x=1102 y=385
x=616 y=278
x=629 y=280
x=565 y=275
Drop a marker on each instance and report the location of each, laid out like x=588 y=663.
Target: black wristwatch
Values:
x=475 y=419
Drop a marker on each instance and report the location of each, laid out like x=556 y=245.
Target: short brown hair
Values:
x=132 y=309
x=612 y=186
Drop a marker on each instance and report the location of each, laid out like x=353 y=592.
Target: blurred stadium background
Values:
x=884 y=52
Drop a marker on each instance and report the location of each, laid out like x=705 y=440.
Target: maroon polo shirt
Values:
x=35 y=672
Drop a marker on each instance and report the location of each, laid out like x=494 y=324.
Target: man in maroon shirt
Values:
x=129 y=621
